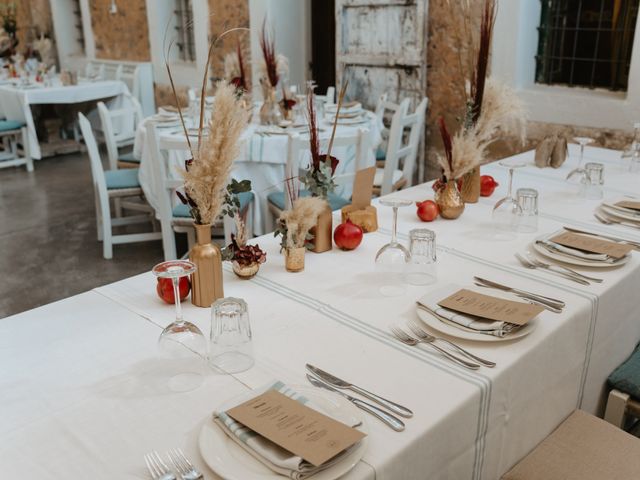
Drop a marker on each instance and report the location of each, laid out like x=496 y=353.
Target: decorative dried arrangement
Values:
x=234 y=70
x=491 y=109
x=272 y=69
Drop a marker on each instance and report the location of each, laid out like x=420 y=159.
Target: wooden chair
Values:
x=392 y=177
x=177 y=218
x=279 y=201
x=129 y=116
x=583 y=447
x=624 y=397
x=384 y=108
x=12 y=135
x=115 y=184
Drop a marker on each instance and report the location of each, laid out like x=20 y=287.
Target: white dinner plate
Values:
x=348 y=121
x=231 y=462
x=620 y=213
x=580 y=262
x=451 y=331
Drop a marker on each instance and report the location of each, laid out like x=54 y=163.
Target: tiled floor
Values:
x=48 y=245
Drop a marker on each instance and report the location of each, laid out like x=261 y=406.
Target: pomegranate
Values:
x=347 y=235
x=427 y=210
x=164 y=288
x=487 y=185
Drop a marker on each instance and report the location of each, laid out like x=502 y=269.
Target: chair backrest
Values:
x=347 y=168
x=382 y=107
x=97 y=172
x=397 y=150
x=111 y=136
x=119 y=72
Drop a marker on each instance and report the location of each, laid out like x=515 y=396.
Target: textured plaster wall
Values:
x=33 y=18
x=123 y=35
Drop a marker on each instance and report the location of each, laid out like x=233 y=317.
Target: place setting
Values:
x=623 y=211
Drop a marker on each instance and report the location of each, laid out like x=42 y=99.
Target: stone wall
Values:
x=224 y=15
x=33 y=18
x=123 y=35
x=445 y=87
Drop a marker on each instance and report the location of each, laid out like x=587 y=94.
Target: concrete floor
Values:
x=48 y=244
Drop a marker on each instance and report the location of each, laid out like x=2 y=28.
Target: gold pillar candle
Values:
x=206 y=281
x=449 y=201
x=323 y=232
x=470 y=189
x=294 y=259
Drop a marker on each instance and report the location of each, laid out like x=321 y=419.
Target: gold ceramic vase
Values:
x=323 y=231
x=270 y=113
x=450 y=201
x=294 y=259
x=470 y=189
x=206 y=281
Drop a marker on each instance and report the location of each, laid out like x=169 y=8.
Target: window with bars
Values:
x=184 y=29
x=586 y=43
x=77 y=14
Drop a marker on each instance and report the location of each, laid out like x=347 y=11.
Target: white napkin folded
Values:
x=460 y=320
x=592 y=257
x=268 y=453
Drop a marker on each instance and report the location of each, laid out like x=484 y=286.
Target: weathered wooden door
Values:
x=381 y=47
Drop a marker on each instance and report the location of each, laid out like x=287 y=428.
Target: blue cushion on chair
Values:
x=125 y=178
x=181 y=210
x=335 y=202
x=626 y=377
x=381 y=154
x=7 y=125
x=128 y=157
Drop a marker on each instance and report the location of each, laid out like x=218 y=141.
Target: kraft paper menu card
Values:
x=362 y=188
x=295 y=427
x=589 y=243
x=490 y=308
x=633 y=205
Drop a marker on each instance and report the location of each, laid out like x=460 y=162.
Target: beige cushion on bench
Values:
x=583 y=447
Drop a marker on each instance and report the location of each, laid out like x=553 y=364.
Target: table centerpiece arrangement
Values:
x=273 y=67
x=491 y=109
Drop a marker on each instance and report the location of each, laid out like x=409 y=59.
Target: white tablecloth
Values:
x=81 y=396
x=15 y=103
x=262 y=161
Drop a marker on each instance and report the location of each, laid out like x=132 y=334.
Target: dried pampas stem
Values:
x=335 y=120
x=301 y=218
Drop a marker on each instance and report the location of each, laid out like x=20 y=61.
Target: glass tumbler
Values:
x=422 y=268
x=595 y=180
x=230 y=348
x=527 y=199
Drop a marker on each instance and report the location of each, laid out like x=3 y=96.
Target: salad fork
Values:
x=412 y=342
x=157 y=468
x=427 y=337
x=537 y=262
x=182 y=464
x=528 y=264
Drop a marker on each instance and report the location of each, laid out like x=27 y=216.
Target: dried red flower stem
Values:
x=268 y=47
x=480 y=72
x=446 y=140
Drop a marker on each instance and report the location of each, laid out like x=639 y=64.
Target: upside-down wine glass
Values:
x=392 y=258
x=181 y=343
x=506 y=210
x=580 y=173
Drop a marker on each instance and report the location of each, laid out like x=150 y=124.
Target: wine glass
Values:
x=181 y=343
x=392 y=258
x=580 y=172
x=506 y=210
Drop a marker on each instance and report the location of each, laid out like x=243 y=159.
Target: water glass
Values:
x=527 y=199
x=422 y=268
x=595 y=180
x=230 y=348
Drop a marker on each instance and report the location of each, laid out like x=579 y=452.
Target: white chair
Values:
x=384 y=110
x=392 y=177
x=93 y=70
x=115 y=184
x=296 y=145
x=127 y=116
x=177 y=218
x=12 y=134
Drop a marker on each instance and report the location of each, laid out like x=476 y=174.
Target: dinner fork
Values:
x=182 y=464
x=561 y=267
x=611 y=221
x=527 y=264
x=412 y=342
x=427 y=337
x=157 y=468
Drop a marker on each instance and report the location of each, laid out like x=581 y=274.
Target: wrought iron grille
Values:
x=77 y=13
x=184 y=29
x=586 y=43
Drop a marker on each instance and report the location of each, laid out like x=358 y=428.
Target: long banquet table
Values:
x=82 y=394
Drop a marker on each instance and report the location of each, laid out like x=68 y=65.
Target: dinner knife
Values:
x=601 y=235
x=341 y=384
x=553 y=302
x=393 y=422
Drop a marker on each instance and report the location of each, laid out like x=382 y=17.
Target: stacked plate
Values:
x=351 y=113
x=561 y=253
x=611 y=210
x=166 y=119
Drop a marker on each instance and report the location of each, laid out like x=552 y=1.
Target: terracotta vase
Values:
x=470 y=190
x=206 y=281
x=450 y=201
x=270 y=113
x=323 y=232
x=245 y=271
x=294 y=259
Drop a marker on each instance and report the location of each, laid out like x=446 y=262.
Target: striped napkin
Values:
x=268 y=453
x=460 y=320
